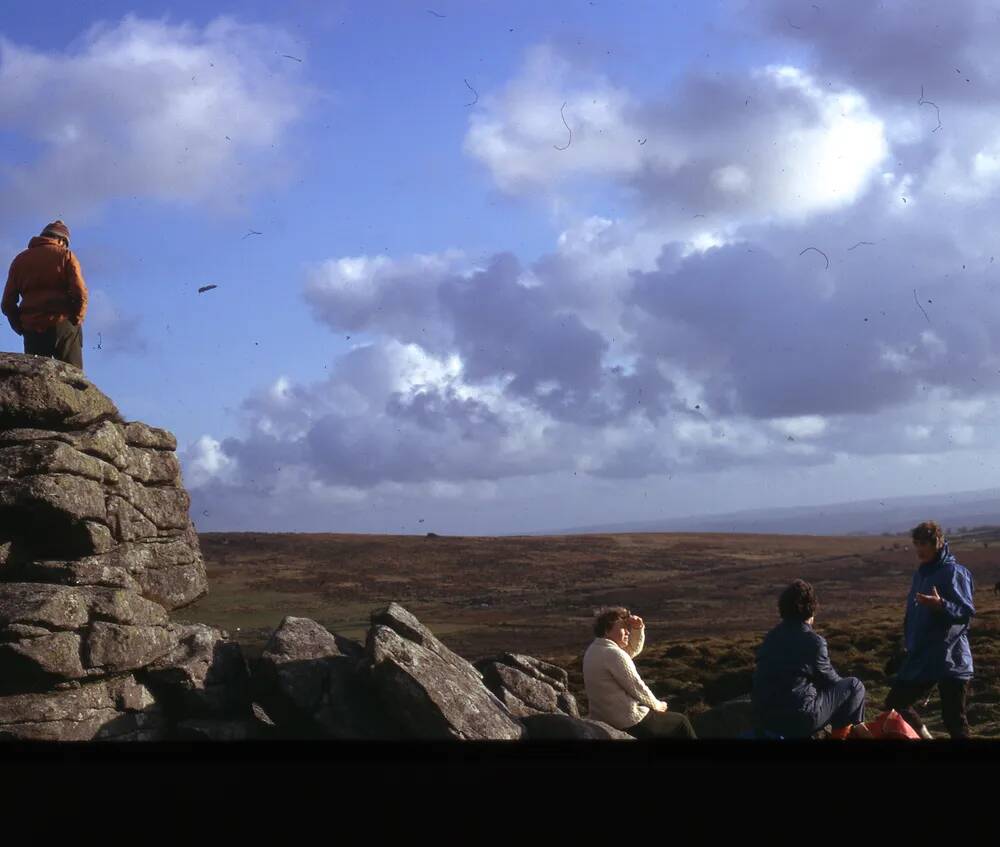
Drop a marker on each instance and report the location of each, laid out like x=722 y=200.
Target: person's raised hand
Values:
x=635 y=622
x=933 y=599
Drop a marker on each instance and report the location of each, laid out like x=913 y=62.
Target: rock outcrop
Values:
x=406 y=684
x=96 y=548
x=432 y=692
x=528 y=686
x=313 y=683
x=204 y=676
x=87 y=499
x=114 y=709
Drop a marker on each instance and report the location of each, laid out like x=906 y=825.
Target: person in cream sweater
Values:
x=615 y=691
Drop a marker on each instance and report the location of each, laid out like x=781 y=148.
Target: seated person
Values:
x=615 y=691
x=796 y=691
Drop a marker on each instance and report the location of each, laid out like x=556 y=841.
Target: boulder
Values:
x=528 y=686
x=311 y=683
x=52 y=633
x=434 y=693
x=41 y=392
x=86 y=498
x=118 y=709
x=204 y=676
x=138 y=434
x=168 y=571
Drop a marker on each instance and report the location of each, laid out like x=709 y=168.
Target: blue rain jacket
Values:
x=937 y=640
x=792 y=663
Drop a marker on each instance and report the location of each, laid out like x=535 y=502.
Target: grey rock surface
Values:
x=118 y=709
x=310 y=682
x=528 y=686
x=204 y=676
x=41 y=392
x=433 y=692
x=77 y=482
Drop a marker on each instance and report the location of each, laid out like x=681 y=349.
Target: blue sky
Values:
x=445 y=321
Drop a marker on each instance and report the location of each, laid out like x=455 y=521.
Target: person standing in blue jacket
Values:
x=796 y=691
x=936 y=634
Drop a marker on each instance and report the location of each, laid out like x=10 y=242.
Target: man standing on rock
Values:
x=47 y=280
x=936 y=630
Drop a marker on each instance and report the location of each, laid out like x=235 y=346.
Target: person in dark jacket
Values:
x=939 y=609
x=796 y=691
x=45 y=298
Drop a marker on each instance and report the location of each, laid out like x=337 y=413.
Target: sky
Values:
x=501 y=267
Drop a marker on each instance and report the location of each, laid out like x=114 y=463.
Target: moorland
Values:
x=707 y=599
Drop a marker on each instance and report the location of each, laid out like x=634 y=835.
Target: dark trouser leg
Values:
x=662 y=725
x=903 y=695
x=69 y=344
x=40 y=343
x=843 y=704
x=953 y=693
x=64 y=342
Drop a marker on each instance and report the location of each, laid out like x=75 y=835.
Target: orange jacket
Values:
x=49 y=282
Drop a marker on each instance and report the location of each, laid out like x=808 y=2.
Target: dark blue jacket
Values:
x=792 y=663
x=937 y=640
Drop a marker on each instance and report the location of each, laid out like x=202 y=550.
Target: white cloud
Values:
x=799 y=151
x=518 y=133
x=205 y=461
x=144 y=107
x=805 y=426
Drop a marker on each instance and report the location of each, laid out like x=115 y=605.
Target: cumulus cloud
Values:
x=144 y=107
x=389 y=413
x=501 y=323
x=803 y=280
x=518 y=133
x=890 y=50
x=732 y=149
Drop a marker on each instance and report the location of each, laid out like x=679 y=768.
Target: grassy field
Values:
x=707 y=599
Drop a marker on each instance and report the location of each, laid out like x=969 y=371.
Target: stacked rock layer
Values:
x=96 y=548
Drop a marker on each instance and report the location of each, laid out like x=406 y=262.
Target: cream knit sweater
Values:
x=615 y=691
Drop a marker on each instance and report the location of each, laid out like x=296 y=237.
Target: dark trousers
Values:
x=840 y=705
x=64 y=342
x=843 y=704
x=662 y=725
x=903 y=695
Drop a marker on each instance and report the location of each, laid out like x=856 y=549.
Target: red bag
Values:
x=887 y=725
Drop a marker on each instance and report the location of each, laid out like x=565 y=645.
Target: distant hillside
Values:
x=866 y=517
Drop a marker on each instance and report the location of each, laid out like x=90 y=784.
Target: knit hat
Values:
x=56 y=229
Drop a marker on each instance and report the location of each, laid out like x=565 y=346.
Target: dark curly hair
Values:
x=929 y=532
x=798 y=601
x=608 y=616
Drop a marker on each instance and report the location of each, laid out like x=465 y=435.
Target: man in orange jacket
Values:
x=53 y=297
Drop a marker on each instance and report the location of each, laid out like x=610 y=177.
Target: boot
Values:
x=926 y=733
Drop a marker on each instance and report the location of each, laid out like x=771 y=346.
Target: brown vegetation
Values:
x=707 y=599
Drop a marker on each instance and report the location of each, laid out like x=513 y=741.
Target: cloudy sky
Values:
x=488 y=268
